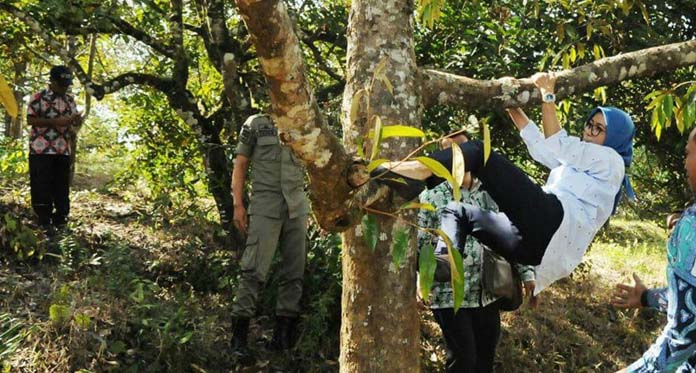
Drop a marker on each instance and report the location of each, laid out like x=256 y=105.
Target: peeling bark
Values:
x=441 y=88
x=296 y=113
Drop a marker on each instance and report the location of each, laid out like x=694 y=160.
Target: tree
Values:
x=373 y=288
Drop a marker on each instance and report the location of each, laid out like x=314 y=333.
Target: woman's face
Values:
x=595 y=129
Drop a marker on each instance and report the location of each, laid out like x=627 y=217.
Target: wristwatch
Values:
x=549 y=98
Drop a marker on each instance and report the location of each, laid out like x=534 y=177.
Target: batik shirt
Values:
x=49 y=140
x=441 y=295
x=675 y=348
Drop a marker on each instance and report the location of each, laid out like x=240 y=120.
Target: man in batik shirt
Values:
x=471 y=335
x=51 y=115
x=675 y=348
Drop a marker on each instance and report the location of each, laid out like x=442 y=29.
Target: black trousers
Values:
x=471 y=336
x=529 y=218
x=49 y=177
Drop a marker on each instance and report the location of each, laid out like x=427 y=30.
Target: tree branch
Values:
x=442 y=88
x=296 y=113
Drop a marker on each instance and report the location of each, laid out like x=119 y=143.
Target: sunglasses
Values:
x=594 y=128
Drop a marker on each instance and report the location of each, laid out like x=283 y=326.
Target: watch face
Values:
x=549 y=97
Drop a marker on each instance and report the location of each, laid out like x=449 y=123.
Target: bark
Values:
x=380 y=328
x=296 y=113
x=443 y=88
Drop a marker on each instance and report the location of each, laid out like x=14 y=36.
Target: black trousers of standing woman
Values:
x=471 y=336
x=528 y=216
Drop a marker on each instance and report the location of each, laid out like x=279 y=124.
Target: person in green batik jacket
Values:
x=278 y=214
x=471 y=335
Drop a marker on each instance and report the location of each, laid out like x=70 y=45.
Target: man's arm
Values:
x=239 y=171
x=60 y=122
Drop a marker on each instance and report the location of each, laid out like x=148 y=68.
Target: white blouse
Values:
x=585 y=177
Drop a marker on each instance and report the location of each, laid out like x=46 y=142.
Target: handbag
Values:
x=501 y=279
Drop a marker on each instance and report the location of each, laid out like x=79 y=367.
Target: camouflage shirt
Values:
x=441 y=295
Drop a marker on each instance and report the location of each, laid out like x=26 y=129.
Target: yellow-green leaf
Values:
x=486 y=142
x=458 y=166
x=7 y=98
x=426 y=270
x=355 y=104
x=374 y=164
x=417 y=205
x=440 y=171
x=387 y=83
x=398 y=130
x=381 y=66
x=377 y=137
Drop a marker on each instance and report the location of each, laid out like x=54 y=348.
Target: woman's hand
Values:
x=627 y=296
x=529 y=287
x=546 y=82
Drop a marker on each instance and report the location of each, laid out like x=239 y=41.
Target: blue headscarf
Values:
x=620 y=131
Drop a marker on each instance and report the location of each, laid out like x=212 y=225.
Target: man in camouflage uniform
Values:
x=278 y=213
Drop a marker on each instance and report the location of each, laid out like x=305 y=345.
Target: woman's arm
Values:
x=518 y=117
x=546 y=83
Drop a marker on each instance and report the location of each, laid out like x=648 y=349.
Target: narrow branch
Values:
x=321 y=61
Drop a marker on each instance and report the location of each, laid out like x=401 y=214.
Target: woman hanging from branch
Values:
x=550 y=226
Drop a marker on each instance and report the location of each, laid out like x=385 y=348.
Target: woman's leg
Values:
x=459 y=337
x=535 y=213
x=486 y=329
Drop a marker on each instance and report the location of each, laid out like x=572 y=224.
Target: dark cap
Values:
x=61 y=75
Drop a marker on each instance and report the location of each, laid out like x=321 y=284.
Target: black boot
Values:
x=284 y=333
x=240 y=333
x=405 y=187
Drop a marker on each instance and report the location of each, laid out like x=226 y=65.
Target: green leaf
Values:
x=370 y=231
x=689 y=114
x=426 y=270
x=186 y=337
x=417 y=205
x=456 y=269
x=377 y=137
x=458 y=283
x=359 y=144
x=668 y=106
x=374 y=164
x=83 y=321
x=399 y=246
x=59 y=314
x=439 y=170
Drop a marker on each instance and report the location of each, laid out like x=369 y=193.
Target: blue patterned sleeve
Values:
x=675 y=348
x=657 y=299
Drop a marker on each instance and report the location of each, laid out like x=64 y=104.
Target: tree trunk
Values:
x=380 y=327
